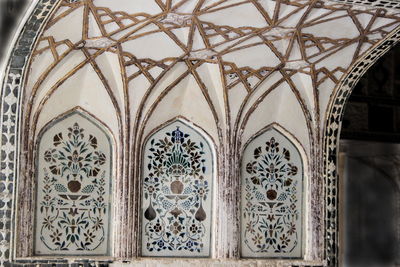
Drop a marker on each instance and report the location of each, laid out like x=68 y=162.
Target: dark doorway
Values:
x=371 y=195
x=370 y=169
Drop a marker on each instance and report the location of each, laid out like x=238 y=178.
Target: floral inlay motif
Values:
x=73 y=191
x=177 y=190
x=271 y=197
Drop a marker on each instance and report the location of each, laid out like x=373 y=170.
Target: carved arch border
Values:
x=12 y=81
x=331 y=138
x=216 y=162
x=306 y=237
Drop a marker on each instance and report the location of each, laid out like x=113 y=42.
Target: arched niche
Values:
x=74 y=162
x=272 y=202
x=178 y=173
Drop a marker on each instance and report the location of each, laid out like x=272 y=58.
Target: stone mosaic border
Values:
x=392 y=4
x=11 y=96
x=9 y=118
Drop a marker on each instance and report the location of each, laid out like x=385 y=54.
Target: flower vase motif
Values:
x=72 y=212
x=177 y=188
x=272 y=182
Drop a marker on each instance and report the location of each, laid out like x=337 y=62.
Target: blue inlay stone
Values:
x=177 y=193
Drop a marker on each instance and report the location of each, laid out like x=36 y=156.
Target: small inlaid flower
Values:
x=89 y=237
x=48 y=223
x=159 y=155
x=164 y=144
x=159 y=170
x=190 y=146
x=284 y=239
x=55 y=236
x=75 y=131
x=176 y=228
x=93 y=141
x=250 y=227
x=292 y=229
x=193 y=228
x=157 y=227
x=57 y=139
x=272 y=145
x=99 y=158
x=288 y=182
x=47 y=197
x=257 y=239
x=271 y=217
x=292 y=170
x=75 y=159
x=50 y=156
x=189 y=244
x=251 y=167
x=195 y=157
x=97 y=223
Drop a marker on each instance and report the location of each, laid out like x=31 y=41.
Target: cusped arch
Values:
x=178 y=174
x=74 y=176
x=272 y=201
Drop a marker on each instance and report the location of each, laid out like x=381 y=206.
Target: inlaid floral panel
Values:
x=73 y=188
x=177 y=193
x=272 y=188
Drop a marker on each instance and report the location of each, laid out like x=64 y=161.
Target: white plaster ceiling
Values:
x=230 y=66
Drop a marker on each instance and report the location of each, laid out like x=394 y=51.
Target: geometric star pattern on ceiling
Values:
x=238 y=57
x=249 y=40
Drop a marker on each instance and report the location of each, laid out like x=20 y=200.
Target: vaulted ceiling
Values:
x=232 y=67
x=235 y=60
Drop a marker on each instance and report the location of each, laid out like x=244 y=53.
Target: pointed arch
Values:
x=74 y=159
x=331 y=135
x=272 y=202
x=178 y=173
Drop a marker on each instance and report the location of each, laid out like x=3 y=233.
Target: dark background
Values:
x=10 y=15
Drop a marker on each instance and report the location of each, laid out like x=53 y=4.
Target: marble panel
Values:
x=73 y=188
x=177 y=193
x=272 y=198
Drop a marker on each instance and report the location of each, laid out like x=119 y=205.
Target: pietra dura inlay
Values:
x=289 y=62
x=272 y=197
x=73 y=193
x=177 y=193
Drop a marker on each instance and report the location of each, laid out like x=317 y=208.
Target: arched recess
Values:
x=333 y=118
x=15 y=85
x=74 y=176
x=273 y=196
x=177 y=184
